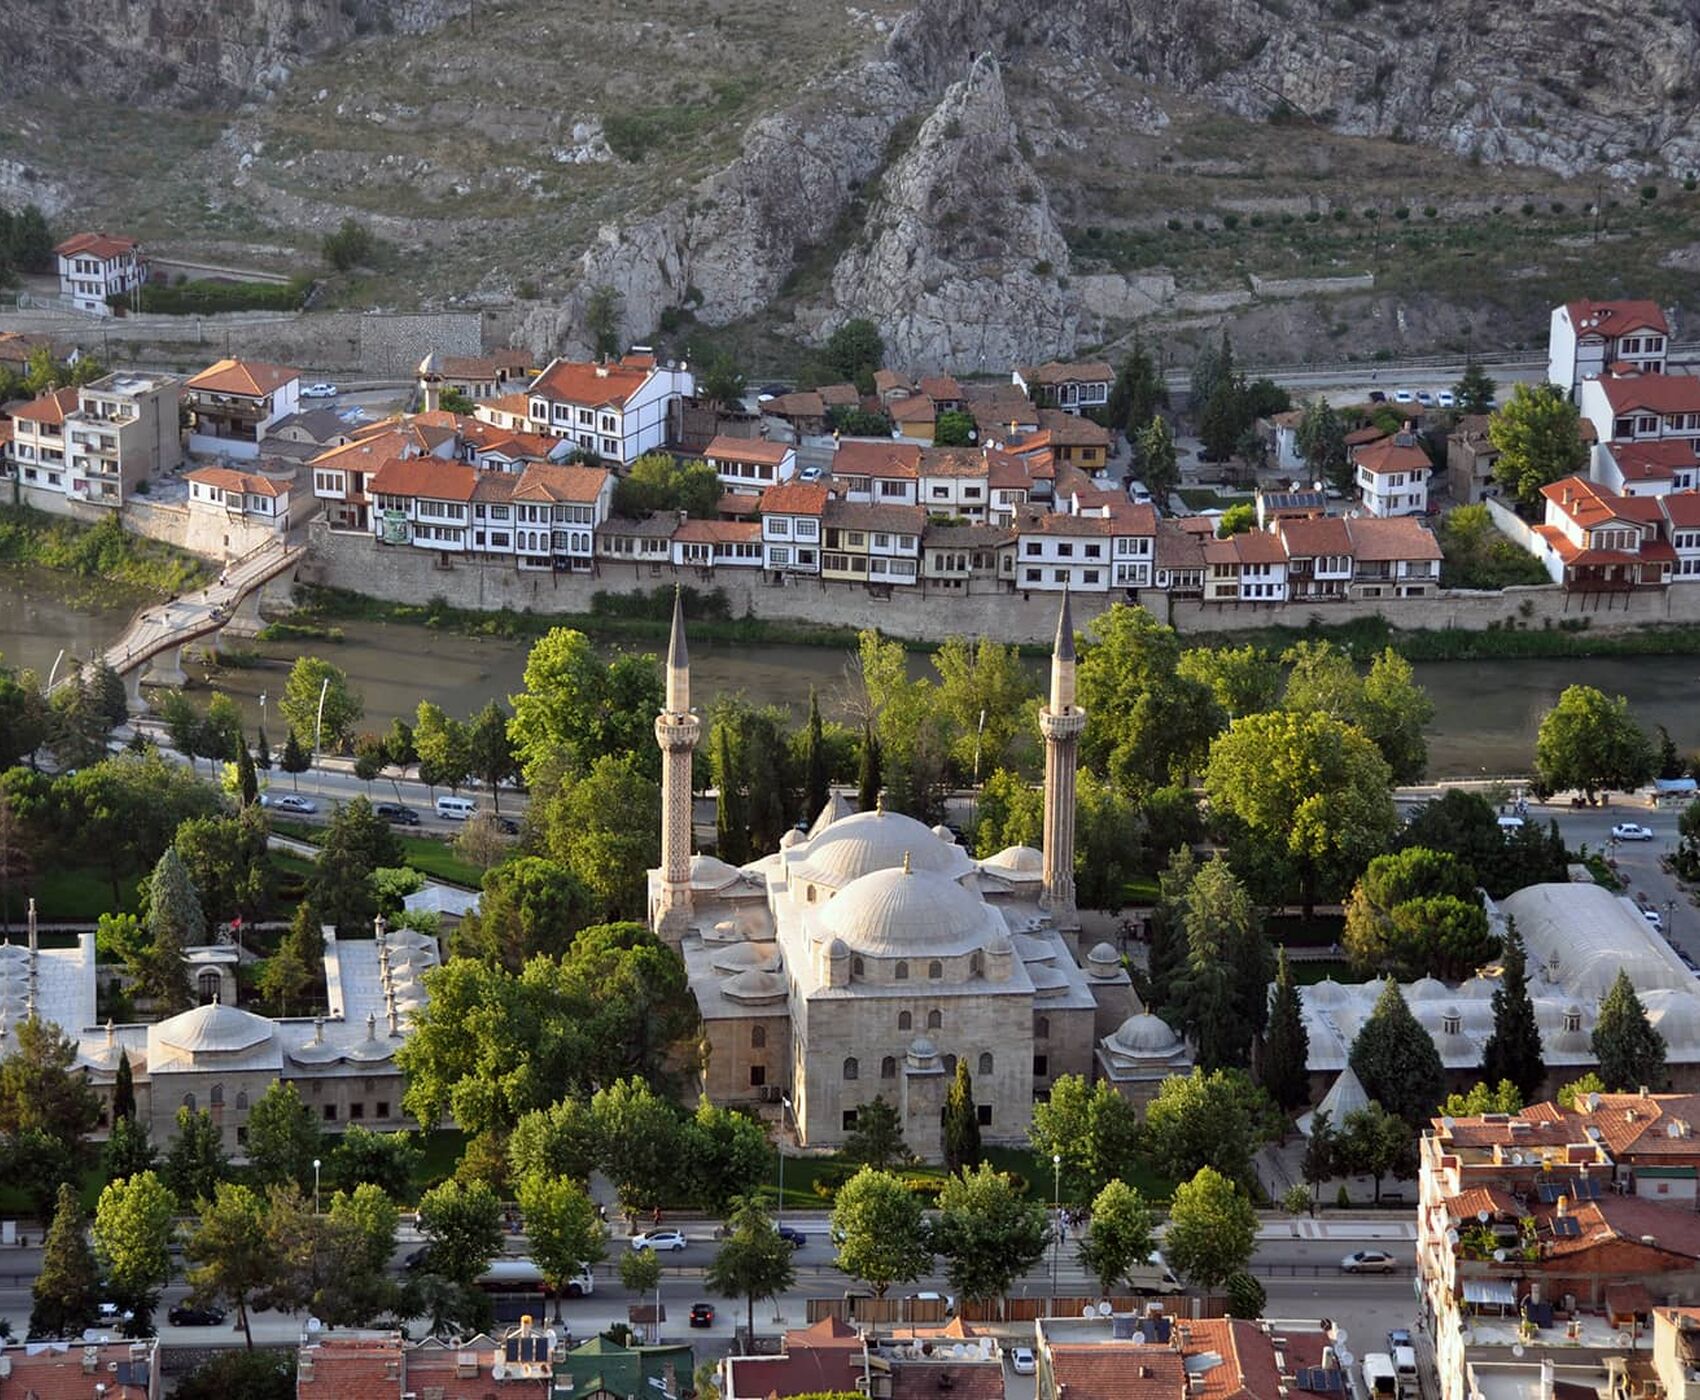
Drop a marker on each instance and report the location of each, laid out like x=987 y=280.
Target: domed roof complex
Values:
x=214 y=1029
x=1143 y=1047
x=854 y=846
x=909 y=913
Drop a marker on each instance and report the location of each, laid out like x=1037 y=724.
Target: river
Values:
x=1486 y=712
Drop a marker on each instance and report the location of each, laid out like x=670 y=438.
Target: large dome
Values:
x=858 y=845
x=1145 y=1034
x=908 y=913
x=214 y=1029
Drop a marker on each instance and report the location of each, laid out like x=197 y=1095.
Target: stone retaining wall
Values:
x=208 y=533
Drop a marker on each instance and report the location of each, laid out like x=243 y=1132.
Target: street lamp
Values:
x=779 y=1206
x=318 y=729
x=315 y=1186
x=1056 y=1228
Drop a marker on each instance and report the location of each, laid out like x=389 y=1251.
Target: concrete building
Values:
x=869 y=953
x=124 y=431
x=750 y=465
x=1587 y=337
x=1470 y=456
x=1392 y=476
x=36 y=453
x=1626 y=406
x=96 y=266
x=234 y=403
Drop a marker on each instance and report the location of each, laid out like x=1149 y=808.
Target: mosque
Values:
x=870 y=954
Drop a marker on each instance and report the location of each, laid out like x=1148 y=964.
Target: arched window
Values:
x=242 y=1100
x=905 y=1021
x=950 y=1064
x=189 y=1102
x=209 y=984
x=851 y=1068
x=902 y=972
x=216 y=1097
x=758 y=1037
x=935 y=1019
x=811 y=894
x=856 y=968
x=985 y=1062
x=1042 y=1028
x=888 y=1067
x=935 y=969
x=976 y=964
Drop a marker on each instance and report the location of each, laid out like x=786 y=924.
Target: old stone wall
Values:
x=208 y=533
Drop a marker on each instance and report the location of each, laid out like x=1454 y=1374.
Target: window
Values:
x=330 y=1113
x=935 y=970
x=935 y=1019
x=905 y=1021
x=950 y=1064
x=849 y=1120
x=216 y=1098
x=857 y=967
x=242 y=1100
x=985 y=1062
x=357 y=1110
x=189 y=1102
x=809 y=894
x=901 y=972
x=983 y=1111
x=851 y=1069
x=383 y=1108
x=888 y=1067
x=758 y=1037
x=1041 y=1066
x=758 y=1076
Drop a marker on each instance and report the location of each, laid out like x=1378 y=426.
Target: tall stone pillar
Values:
x=677 y=730
x=1061 y=723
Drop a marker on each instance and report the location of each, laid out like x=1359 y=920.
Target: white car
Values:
x=1424 y=397
x=810 y=474
x=1631 y=831
x=293 y=802
x=1446 y=399
x=1654 y=919
x=1021 y=1361
x=319 y=391
x=1404 y=396
x=659 y=1240
x=1368 y=1261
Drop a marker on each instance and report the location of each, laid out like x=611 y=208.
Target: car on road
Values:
x=506 y=825
x=319 y=391
x=417 y=1259
x=1404 y=396
x=1377 y=396
x=810 y=474
x=792 y=1236
x=1631 y=831
x=294 y=802
x=1424 y=397
x=1654 y=919
x=659 y=1239
x=187 y=1315
x=1398 y=1337
x=1368 y=1261
x=396 y=814
x=702 y=1314
x=1446 y=398
x=1021 y=1361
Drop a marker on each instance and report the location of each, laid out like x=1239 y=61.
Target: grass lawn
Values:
x=1207 y=498
x=75 y=893
x=1141 y=890
x=1307 y=974
x=426 y=854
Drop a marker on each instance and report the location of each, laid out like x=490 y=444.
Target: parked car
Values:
x=1377 y=396
x=1021 y=1361
x=1398 y=1337
x=187 y=1315
x=417 y=1259
x=659 y=1239
x=1425 y=397
x=396 y=814
x=702 y=1314
x=929 y=1296
x=1631 y=831
x=792 y=1236
x=1404 y=396
x=294 y=802
x=1655 y=919
x=1368 y=1261
x=319 y=391
x=1446 y=398
x=506 y=825
x=810 y=474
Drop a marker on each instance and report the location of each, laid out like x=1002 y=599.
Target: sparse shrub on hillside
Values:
x=351 y=246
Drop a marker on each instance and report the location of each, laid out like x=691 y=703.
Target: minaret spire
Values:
x=678 y=660
x=677 y=729
x=1061 y=723
x=1062 y=660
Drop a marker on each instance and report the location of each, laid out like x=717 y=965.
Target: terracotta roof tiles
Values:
x=1312 y=538
x=1397 y=537
x=1615 y=318
x=862 y=457
x=248 y=483
x=734 y=449
x=50 y=407
x=104 y=246
x=1656 y=393
x=547 y=482
x=244 y=378
x=592 y=385
x=795 y=498
x=425 y=477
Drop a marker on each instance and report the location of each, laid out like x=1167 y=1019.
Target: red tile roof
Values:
x=1656 y=393
x=1468 y=1205
x=719 y=532
x=839 y=395
x=1177 y=548
x=885 y=380
x=246 y=482
x=956 y=461
x=1399 y=453
x=734 y=449
x=1682 y=509
x=247 y=378
x=488 y=366
x=546 y=482
x=517 y=405
x=1615 y=318
x=104 y=246
x=366 y=453
x=854 y=515
x=941 y=387
x=862 y=457
x=54 y=1374
x=424 y=476
x=1071 y=430
x=1320 y=535
x=590 y=385
x=1117 y=1371
x=917 y=408
x=1358 y=437
x=495 y=486
x=352 y=1368
x=1044 y=522
x=955 y=1380
x=1586 y=502
x=795 y=498
x=1652 y=461
x=805 y=404
x=1398 y=537
x=1056 y=372
x=50 y=407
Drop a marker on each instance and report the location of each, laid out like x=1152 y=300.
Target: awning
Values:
x=1490 y=1290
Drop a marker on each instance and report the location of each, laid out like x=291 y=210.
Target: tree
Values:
x=229 y=1251
x=877 y=1139
x=1395 y=1060
x=603 y=829
x=1311 y=794
x=1386 y=702
x=575 y=708
x=986 y=694
x=988 y=1232
x=1243 y=680
x=128 y=1150
x=604 y=310
x=817 y=776
x=1538 y=437
x=133 y=1226
x=17 y=856
x=1221 y=997
x=78 y=729
x=1415 y=913
x=1513 y=1052
x=753 y=1262
x=42 y=1093
x=283 y=1136
x=1137 y=394
x=1093 y=1130
x=123 y=1089
x=220 y=737
x=1591 y=743
x=1466 y=825
x=291 y=974
x=481 y=841
x=1212 y=1230
x=64 y=1299
x=262 y=750
x=1484 y=1098
x=1210 y=367
x=961 y=1122
x=444 y=745
x=120 y=813
x=196 y=1162
x=1204 y=1120
x=881 y=1230
x=721 y=1152
x=1630 y=1051
x=107 y=688
x=1224 y=418
x=854 y=351
x=1157 y=464
x=640 y=1270
x=1284 y=1071
x=254 y=1375
x=174 y=921
x=720 y=381
x=1236 y=520
x=731 y=823
x=556 y=1141
x=563 y=1227
x=1578 y=1089
x=1322 y=443
x=356 y=842
x=1474 y=391
x=1119 y=1237
x=529 y=905
x=247 y=780
x=333 y=726
x=366 y=1158
x=463 y=1227
x=954 y=428
x=868 y=770
x=1376 y=1143
x=641 y=1136
x=295 y=760
x=227 y=861
x=370 y=757
x=351 y=246
x=491 y=752
x=1246 y=1296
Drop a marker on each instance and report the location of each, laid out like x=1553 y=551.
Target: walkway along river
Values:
x=1486 y=712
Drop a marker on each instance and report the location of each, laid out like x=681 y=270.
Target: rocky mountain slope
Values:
x=988 y=179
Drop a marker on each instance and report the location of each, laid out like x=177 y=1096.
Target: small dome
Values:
x=1427 y=989
x=837 y=949
x=754 y=987
x=1016 y=860
x=1145 y=1034
x=999 y=945
x=1478 y=988
x=739 y=957
x=214 y=1029
x=945 y=834
x=1326 y=994
x=1033 y=949
x=1104 y=955
x=791 y=838
x=923 y=1047
x=907 y=913
x=710 y=873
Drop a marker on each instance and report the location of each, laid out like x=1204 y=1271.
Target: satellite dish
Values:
x=1484 y=1215
x=1517 y=1348
x=1344 y=1357
x=1105 y=1308
x=1499 y=1256
x=1338 y=1337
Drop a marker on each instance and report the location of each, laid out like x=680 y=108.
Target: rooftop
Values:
x=244 y=378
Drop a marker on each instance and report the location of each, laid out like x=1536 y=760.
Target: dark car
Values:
x=396 y=814
x=1377 y=396
x=702 y=1314
x=187 y=1315
x=417 y=1259
x=792 y=1236
x=507 y=825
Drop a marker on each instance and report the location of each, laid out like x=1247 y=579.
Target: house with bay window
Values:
x=748 y=466
x=791 y=527
x=1392 y=475
x=425 y=502
x=96 y=266
x=875 y=545
x=1070 y=387
x=1588 y=337
x=618 y=409
x=876 y=472
x=1594 y=540
x=556 y=512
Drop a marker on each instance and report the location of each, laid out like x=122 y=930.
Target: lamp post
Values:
x=1056 y=1227
x=315 y=1186
x=318 y=730
x=779 y=1206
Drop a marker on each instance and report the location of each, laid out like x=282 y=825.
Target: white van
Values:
x=1153 y=1276
x=456 y=809
x=1405 y=1370
x=508 y=1274
x=1380 y=1380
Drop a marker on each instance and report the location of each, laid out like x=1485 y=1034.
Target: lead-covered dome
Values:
x=214 y=1029
x=909 y=913
x=1145 y=1034
x=858 y=845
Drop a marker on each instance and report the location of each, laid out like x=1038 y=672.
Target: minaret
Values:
x=1061 y=723
x=676 y=730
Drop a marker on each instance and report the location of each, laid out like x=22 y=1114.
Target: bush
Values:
x=657 y=604
x=1372 y=214
x=1230 y=221
x=1649 y=193
x=1257 y=221
x=351 y=246
x=1689 y=183
x=1558 y=206
x=1401 y=212
x=1429 y=211
x=1311 y=216
x=1528 y=209
x=1339 y=216
x=185 y=298
x=1174 y=226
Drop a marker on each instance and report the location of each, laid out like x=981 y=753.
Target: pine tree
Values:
x=868 y=771
x=64 y=1297
x=262 y=751
x=247 y=780
x=1514 y=1050
x=292 y=973
x=295 y=761
x=817 y=783
x=1396 y=1061
x=1286 y=1049
x=128 y=1151
x=961 y=1123
x=123 y=1089
x=1630 y=1051
x=175 y=922
x=731 y=822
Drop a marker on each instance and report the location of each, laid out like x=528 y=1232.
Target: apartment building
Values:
x=96 y=266
x=234 y=403
x=792 y=520
x=125 y=429
x=37 y=454
x=617 y=409
x=1470 y=455
x=956 y=482
x=1588 y=337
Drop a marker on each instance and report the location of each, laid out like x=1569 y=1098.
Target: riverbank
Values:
x=1516 y=640
x=104 y=551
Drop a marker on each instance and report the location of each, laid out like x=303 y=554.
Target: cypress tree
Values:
x=247 y=779
x=868 y=771
x=1286 y=1050
x=1514 y=1050
x=262 y=751
x=961 y=1123
x=817 y=785
x=1396 y=1061
x=63 y=1297
x=123 y=1089
x=731 y=823
x=1630 y=1051
x=295 y=761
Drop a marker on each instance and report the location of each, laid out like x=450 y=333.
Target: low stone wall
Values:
x=208 y=533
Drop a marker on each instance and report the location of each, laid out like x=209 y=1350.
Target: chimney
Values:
x=318 y=1030
x=1644 y=1092
x=371 y=1025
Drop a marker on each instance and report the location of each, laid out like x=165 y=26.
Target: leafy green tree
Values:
x=300 y=704
x=370 y=757
x=1284 y=1071
x=1010 y=813
x=351 y=246
x=444 y=745
x=640 y=1270
x=1466 y=825
x=356 y=843
x=1537 y=434
x=174 y=921
x=227 y=861
x=291 y=974
x=722 y=1151
x=1119 y=1237
x=1212 y=1230
x=1513 y=1053
x=556 y=1141
x=196 y=1162
x=362 y=1157
x=1415 y=913
x=603 y=829
x=915 y=733
x=604 y=311
x=1386 y=702
x=127 y=1150
x=1322 y=443
x=961 y=1122
x=563 y=1227
x=1204 y=1120
x=1107 y=844
x=1158 y=467
x=1589 y=1083
x=221 y=730
x=529 y=905
x=1246 y=1296
x=987 y=1231
x=986 y=679
x=1243 y=680
x=1591 y=743
x=41 y=1091
x=229 y=1253
x=1395 y=1060
x=954 y=428
x=1475 y=390
x=79 y=727
x=283 y=1136
x=1210 y=367
x=641 y=1136
x=492 y=753
x=1236 y=520
x=877 y=1139
x=753 y=1261
x=1378 y=1143
x=133 y=1227
x=1484 y=1098
x=854 y=351
x=182 y=723
x=254 y=1375
x=1222 y=995
x=64 y=1297
x=463 y=1227
x=120 y=814
x=1630 y=1051
x=1093 y=1130
x=720 y=381
x=882 y=1232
